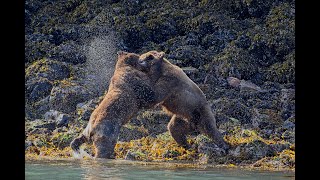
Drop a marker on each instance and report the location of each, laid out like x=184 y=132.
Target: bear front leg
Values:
x=104 y=147
x=178 y=129
x=105 y=140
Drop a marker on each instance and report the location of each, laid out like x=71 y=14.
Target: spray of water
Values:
x=101 y=58
x=81 y=155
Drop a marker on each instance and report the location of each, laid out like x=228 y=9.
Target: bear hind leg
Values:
x=178 y=128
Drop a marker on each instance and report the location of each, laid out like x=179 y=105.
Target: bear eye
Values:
x=142 y=63
x=150 y=57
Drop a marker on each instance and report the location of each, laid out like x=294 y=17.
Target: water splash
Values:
x=81 y=154
x=101 y=58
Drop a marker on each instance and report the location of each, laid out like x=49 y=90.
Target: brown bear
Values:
x=129 y=91
x=180 y=97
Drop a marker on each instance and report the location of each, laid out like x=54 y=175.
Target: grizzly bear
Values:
x=180 y=97
x=129 y=91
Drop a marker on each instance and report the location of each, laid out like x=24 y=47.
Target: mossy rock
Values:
x=47 y=68
x=235 y=62
x=283 y=72
x=154 y=121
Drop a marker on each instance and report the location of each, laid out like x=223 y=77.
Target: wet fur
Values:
x=129 y=91
x=182 y=98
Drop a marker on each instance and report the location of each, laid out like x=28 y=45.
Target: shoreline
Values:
x=164 y=164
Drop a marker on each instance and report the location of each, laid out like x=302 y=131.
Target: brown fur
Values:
x=129 y=91
x=180 y=97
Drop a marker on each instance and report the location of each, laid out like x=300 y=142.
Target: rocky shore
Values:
x=241 y=53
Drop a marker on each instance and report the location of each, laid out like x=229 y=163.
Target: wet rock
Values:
x=211 y=150
x=66 y=98
x=36 y=47
x=252 y=151
x=134 y=155
x=170 y=154
x=283 y=72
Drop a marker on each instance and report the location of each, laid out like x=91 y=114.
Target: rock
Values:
x=61 y=119
x=69 y=52
x=233 y=82
x=287 y=103
x=218 y=40
x=211 y=150
x=170 y=154
x=154 y=121
x=276 y=148
x=131 y=133
x=231 y=108
x=36 y=47
x=243 y=41
x=27 y=144
x=254 y=150
x=258 y=8
x=133 y=155
x=85 y=109
x=50 y=126
x=189 y=55
x=289 y=135
x=288 y=125
x=37 y=109
x=235 y=62
x=266 y=118
x=36 y=90
x=244 y=85
x=49 y=69
x=190 y=71
x=66 y=98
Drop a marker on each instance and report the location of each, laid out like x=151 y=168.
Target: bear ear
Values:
x=121 y=53
x=160 y=54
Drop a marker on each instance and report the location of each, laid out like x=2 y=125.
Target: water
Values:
x=121 y=169
x=101 y=54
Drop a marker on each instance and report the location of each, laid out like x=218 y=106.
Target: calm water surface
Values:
x=120 y=169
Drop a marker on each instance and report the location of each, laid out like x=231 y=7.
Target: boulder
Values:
x=70 y=52
x=85 y=109
x=49 y=69
x=37 y=89
x=61 y=119
x=65 y=98
x=254 y=150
